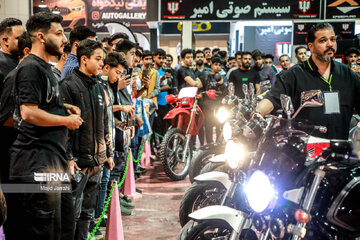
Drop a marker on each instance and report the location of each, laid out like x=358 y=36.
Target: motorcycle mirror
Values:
x=286 y=105
x=225 y=100
x=211 y=94
x=312 y=98
x=170 y=98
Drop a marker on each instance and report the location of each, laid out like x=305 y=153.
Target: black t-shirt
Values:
x=304 y=77
x=7 y=63
x=182 y=73
x=35 y=83
x=7 y=97
x=240 y=77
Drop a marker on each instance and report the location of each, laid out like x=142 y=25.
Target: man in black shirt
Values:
x=186 y=75
x=10 y=30
x=323 y=73
x=266 y=72
x=244 y=75
x=42 y=120
x=7 y=107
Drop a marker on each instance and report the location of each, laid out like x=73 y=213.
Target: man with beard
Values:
x=207 y=52
x=41 y=118
x=351 y=56
x=266 y=73
x=269 y=60
x=10 y=30
x=245 y=75
x=200 y=67
x=321 y=72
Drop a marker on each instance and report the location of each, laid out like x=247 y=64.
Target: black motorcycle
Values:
x=290 y=195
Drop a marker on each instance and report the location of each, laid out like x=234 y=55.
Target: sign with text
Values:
x=344 y=30
x=240 y=9
x=342 y=9
x=96 y=13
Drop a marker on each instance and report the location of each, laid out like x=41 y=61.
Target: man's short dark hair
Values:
x=80 y=33
x=105 y=39
x=118 y=35
x=125 y=46
x=215 y=50
x=284 y=55
x=216 y=59
x=42 y=22
x=159 y=52
x=222 y=54
x=351 y=51
x=238 y=53
x=317 y=27
x=298 y=48
x=257 y=53
x=114 y=59
x=86 y=48
x=245 y=53
x=231 y=58
x=269 y=56
x=206 y=49
x=146 y=54
x=199 y=51
x=24 y=41
x=138 y=53
x=168 y=55
x=186 y=51
x=7 y=24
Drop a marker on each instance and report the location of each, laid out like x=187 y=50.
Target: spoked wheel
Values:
x=171 y=154
x=200 y=195
x=206 y=229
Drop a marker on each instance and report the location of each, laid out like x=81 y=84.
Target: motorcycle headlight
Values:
x=227 y=131
x=222 y=114
x=259 y=191
x=234 y=153
x=184 y=101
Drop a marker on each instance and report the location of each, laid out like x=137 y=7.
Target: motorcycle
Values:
x=289 y=195
x=186 y=118
x=233 y=109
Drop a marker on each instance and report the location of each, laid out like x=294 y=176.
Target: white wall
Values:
x=15 y=8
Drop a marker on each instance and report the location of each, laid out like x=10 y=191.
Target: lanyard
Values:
x=322 y=78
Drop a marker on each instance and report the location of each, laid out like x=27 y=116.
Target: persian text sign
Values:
x=240 y=9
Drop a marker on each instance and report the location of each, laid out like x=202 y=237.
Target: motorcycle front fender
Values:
x=217 y=177
x=176 y=111
x=236 y=219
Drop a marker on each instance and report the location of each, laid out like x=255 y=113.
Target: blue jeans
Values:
x=105 y=176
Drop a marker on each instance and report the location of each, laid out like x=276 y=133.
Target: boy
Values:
x=90 y=146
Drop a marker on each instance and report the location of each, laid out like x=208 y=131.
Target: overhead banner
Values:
x=342 y=9
x=240 y=9
x=344 y=30
x=97 y=13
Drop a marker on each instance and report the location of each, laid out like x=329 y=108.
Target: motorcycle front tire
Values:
x=199 y=161
x=196 y=192
x=164 y=154
x=195 y=230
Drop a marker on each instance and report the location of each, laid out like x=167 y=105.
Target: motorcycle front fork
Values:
x=187 y=142
x=299 y=229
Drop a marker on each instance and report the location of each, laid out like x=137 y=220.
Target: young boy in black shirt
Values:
x=91 y=145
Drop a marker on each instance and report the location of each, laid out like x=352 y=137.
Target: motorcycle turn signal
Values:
x=302 y=216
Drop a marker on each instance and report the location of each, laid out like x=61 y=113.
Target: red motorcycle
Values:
x=186 y=120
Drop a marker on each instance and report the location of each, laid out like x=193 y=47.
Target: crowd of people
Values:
x=78 y=106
